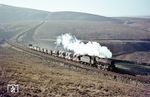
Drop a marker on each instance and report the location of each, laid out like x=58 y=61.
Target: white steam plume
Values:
x=71 y=43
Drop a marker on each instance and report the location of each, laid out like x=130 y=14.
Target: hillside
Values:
x=12 y=14
x=39 y=77
x=122 y=35
x=90 y=30
x=8 y=30
x=78 y=16
x=86 y=26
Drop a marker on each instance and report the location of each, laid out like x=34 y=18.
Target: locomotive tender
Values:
x=93 y=61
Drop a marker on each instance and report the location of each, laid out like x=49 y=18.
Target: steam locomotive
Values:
x=94 y=61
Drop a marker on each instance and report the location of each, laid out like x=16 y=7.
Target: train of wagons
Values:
x=93 y=61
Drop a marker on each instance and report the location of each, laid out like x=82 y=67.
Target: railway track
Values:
x=137 y=80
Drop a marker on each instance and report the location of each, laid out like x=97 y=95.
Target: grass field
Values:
x=38 y=78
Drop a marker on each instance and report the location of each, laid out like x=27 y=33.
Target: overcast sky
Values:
x=100 y=7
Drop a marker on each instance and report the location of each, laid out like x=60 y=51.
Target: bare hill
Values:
x=78 y=16
x=12 y=14
x=85 y=26
x=8 y=30
x=90 y=30
x=38 y=77
x=120 y=34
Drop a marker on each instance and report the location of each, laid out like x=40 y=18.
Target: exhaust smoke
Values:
x=69 y=42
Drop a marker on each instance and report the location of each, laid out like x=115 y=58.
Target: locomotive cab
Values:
x=111 y=67
x=105 y=64
x=30 y=45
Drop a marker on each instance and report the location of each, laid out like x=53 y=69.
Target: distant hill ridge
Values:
x=11 y=14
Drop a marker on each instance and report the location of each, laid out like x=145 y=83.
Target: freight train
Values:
x=93 y=61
